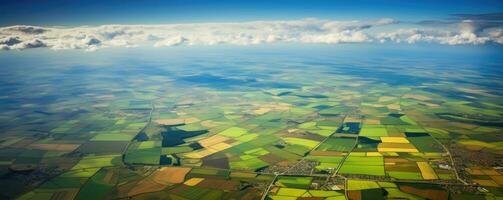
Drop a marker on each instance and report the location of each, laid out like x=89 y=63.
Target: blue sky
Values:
x=97 y=12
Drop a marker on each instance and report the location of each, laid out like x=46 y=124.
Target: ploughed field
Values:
x=240 y=126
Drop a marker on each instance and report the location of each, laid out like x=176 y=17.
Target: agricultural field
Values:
x=174 y=131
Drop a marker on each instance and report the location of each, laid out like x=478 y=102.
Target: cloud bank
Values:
x=316 y=31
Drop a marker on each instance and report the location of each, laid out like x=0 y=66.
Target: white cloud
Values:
x=173 y=41
x=414 y=35
x=310 y=30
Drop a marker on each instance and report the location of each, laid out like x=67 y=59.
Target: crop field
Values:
x=182 y=133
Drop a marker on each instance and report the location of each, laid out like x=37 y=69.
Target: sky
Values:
x=91 y=24
x=98 y=12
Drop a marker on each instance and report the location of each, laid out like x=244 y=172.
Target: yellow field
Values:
x=220 y=146
x=394 y=140
x=374 y=154
x=372 y=121
x=177 y=121
x=200 y=154
x=386 y=98
x=396 y=147
x=191 y=120
x=352 y=119
x=210 y=150
x=426 y=170
x=212 y=140
x=212 y=145
x=193 y=181
x=269 y=107
x=261 y=111
x=393 y=106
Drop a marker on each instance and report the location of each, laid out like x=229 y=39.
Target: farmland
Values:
x=299 y=130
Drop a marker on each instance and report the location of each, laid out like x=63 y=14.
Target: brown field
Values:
x=222 y=163
x=54 y=147
x=144 y=186
x=416 y=96
x=475 y=171
x=489 y=183
x=426 y=193
x=109 y=176
x=122 y=189
x=177 y=121
x=67 y=194
x=498 y=180
x=243 y=174
x=271 y=158
x=219 y=184
x=402 y=168
x=22 y=143
x=284 y=163
x=252 y=194
x=491 y=172
x=170 y=175
x=170 y=121
x=209 y=123
x=157 y=181
x=478 y=171
x=354 y=195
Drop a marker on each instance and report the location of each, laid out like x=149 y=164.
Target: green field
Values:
x=294 y=182
x=337 y=144
x=176 y=123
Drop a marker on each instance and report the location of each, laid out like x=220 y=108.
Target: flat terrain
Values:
x=251 y=127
